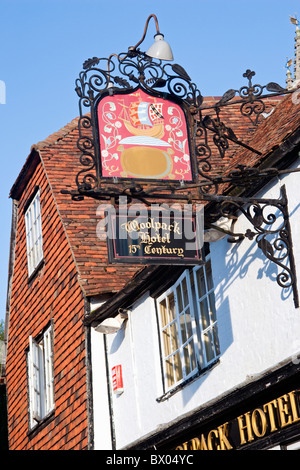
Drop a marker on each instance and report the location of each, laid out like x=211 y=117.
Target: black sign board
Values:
x=268 y=422
x=154 y=239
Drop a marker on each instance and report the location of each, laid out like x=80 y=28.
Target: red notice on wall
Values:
x=117 y=379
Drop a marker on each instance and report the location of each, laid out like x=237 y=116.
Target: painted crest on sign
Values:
x=143 y=137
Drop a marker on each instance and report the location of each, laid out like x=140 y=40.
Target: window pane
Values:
x=212 y=306
x=183 y=328
x=167 y=341
x=192 y=280
x=48 y=363
x=179 y=298
x=174 y=336
x=216 y=340
x=187 y=360
x=185 y=293
x=169 y=372
x=178 y=367
x=204 y=313
x=209 y=346
x=35 y=381
x=163 y=312
x=193 y=355
x=171 y=305
x=194 y=294
x=201 y=282
x=34 y=208
x=209 y=276
x=188 y=321
x=34 y=234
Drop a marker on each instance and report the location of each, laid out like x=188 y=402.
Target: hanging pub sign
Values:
x=143 y=137
x=146 y=132
x=154 y=238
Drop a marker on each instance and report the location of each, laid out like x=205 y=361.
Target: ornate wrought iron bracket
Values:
x=134 y=70
x=271 y=230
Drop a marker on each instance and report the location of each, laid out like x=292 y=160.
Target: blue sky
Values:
x=43 y=44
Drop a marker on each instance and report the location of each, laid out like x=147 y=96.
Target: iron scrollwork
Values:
x=271 y=231
x=116 y=74
x=254 y=106
x=128 y=71
x=133 y=69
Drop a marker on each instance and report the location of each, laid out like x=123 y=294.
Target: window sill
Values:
x=35 y=271
x=39 y=426
x=187 y=382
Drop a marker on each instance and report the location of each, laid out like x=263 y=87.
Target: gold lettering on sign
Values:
x=269 y=408
x=259 y=422
x=203 y=445
x=162 y=250
x=296 y=418
x=211 y=440
x=196 y=444
x=276 y=414
x=285 y=418
x=245 y=424
x=147 y=240
x=217 y=439
x=223 y=437
x=136 y=226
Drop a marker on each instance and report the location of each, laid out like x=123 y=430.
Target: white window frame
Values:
x=184 y=357
x=34 y=238
x=209 y=325
x=40 y=377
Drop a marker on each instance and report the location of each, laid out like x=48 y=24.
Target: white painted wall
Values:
x=102 y=426
x=258 y=328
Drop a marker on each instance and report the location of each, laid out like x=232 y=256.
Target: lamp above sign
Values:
x=142 y=136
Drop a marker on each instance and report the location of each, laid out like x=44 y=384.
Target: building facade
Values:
x=116 y=356
x=41 y=294
x=218 y=370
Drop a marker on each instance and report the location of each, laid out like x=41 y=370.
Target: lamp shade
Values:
x=214 y=235
x=112 y=325
x=160 y=49
x=109 y=326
